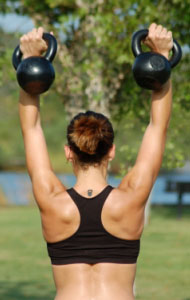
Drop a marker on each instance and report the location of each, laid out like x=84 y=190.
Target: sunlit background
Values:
x=93 y=71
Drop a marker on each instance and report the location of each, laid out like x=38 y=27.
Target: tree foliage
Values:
x=94 y=59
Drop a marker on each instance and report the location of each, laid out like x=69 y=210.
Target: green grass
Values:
x=163 y=266
x=25 y=268
x=164 y=262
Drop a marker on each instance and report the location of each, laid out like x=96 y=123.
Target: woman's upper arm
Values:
x=46 y=185
x=44 y=180
x=37 y=157
x=142 y=176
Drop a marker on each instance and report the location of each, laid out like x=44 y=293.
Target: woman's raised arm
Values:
x=44 y=181
x=142 y=176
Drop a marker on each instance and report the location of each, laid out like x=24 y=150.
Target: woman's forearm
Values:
x=160 y=40
x=161 y=106
x=28 y=110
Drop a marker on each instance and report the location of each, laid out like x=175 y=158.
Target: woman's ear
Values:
x=68 y=153
x=111 y=153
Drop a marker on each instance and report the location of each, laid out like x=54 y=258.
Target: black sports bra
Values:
x=91 y=243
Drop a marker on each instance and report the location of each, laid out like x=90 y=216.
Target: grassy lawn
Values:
x=164 y=262
x=163 y=266
x=25 y=267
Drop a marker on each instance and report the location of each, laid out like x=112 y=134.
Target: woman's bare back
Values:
x=102 y=281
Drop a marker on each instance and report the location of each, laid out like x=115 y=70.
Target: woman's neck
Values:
x=91 y=181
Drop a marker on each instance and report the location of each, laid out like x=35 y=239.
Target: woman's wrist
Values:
x=163 y=90
x=166 y=54
x=25 y=97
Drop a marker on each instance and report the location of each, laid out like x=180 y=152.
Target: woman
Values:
x=93 y=230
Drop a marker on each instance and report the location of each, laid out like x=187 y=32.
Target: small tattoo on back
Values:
x=90 y=193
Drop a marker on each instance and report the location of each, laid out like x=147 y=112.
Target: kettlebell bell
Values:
x=151 y=70
x=35 y=74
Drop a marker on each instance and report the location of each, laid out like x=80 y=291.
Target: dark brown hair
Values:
x=90 y=136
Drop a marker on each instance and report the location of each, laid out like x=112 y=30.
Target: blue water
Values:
x=17 y=189
x=160 y=196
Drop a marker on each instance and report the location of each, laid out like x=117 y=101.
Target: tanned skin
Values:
x=123 y=218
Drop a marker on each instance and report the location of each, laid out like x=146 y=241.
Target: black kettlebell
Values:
x=151 y=70
x=35 y=74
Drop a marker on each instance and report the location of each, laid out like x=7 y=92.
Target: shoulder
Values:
x=137 y=184
x=121 y=206
x=120 y=197
x=46 y=187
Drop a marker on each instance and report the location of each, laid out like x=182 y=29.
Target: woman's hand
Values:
x=159 y=39
x=32 y=43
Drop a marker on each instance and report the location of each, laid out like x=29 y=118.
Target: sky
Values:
x=15 y=23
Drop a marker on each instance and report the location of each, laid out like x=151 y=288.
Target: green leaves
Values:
x=94 y=62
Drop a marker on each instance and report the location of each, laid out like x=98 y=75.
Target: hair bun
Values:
x=90 y=135
x=88 y=132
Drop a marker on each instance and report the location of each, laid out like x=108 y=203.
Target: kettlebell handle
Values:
x=50 y=54
x=137 y=49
